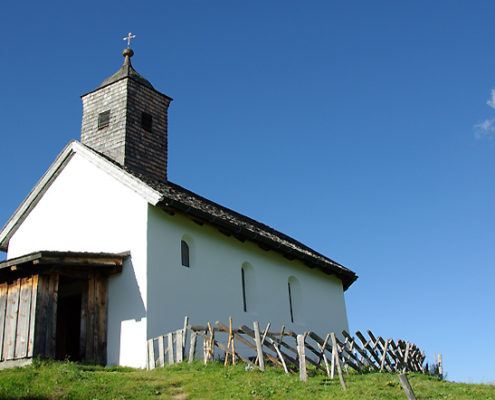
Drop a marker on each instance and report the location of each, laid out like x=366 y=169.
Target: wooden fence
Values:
x=287 y=349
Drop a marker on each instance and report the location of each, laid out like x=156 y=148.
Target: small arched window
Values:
x=248 y=286
x=295 y=300
x=184 y=251
x=291 y=310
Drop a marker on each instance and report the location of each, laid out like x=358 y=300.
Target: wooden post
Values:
x=211 y=343
x=406 y=357
x=205 y=347
x=233 y=341
x=263 y=339
x=161 y=352
x=178 y=346
x=337 y=361
x=151 y=355
x=259 y=347
x=184 y=334
x=406 y=386
x=192 y=346
x=229 y=345
x=303 y=375
x=334 y=357
x=170 y=348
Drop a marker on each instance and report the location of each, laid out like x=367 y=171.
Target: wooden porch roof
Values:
x=66 y=262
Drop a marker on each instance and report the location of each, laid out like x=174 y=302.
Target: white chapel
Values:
x=105 y=252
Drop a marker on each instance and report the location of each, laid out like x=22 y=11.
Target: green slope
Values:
x=65 y=380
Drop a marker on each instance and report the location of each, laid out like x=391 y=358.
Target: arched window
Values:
x=248 y=288
x=295 y=299
x=291 y=310
x=243 y=278
x=184 y=252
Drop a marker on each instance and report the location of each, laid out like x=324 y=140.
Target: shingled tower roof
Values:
x=126 y=71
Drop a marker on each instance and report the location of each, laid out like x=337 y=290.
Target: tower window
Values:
x=184 y=251
x=103 y=119
x=146 y=121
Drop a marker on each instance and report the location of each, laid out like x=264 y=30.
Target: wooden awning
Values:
x=64 y=262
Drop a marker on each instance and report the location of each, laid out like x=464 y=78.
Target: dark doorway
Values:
x=69 y=319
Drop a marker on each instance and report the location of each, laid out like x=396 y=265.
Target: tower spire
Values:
x=125 y=118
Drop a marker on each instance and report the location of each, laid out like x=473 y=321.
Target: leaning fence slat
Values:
x=362 y=352
x=322 y=348
x=281 y=358
x=337 y=361
x=384 y=356
x=367 y=346
x=398 y=355
x=348 y=356
x=268 y=344
x=222 y=347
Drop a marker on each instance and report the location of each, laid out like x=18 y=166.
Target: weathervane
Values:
x=128 y=38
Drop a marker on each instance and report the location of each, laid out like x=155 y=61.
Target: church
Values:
x=105 y=252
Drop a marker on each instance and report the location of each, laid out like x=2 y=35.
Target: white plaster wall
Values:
x=211 y=290
x=87 y=210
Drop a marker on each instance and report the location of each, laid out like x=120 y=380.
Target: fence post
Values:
x=303 y=376
x=259 y=347
x=151 y=354
x=192 y=347
x=178 y=346
x=161 y=352
x=170 y=348
x=184 y=334
x=406 y=386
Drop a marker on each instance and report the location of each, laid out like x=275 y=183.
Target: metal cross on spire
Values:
x=128 y=38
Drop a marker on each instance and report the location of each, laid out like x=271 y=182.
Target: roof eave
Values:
x=329 y=267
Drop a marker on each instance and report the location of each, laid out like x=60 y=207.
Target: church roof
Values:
x=229 y=222
x=173 y=198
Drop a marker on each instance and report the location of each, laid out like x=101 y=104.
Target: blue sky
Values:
x=363 y=129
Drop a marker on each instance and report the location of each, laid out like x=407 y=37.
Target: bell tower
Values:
x=125 y=118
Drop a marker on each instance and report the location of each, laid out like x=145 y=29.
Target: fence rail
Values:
x=287 y=349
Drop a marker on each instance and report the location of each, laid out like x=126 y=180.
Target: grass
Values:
x=66 y=380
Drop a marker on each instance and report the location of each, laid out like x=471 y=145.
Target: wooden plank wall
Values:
x=28 y=318
x=17 y=316
x=94 y=320
x=46 y=316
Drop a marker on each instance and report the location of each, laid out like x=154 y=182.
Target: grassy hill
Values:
x=66 y=380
